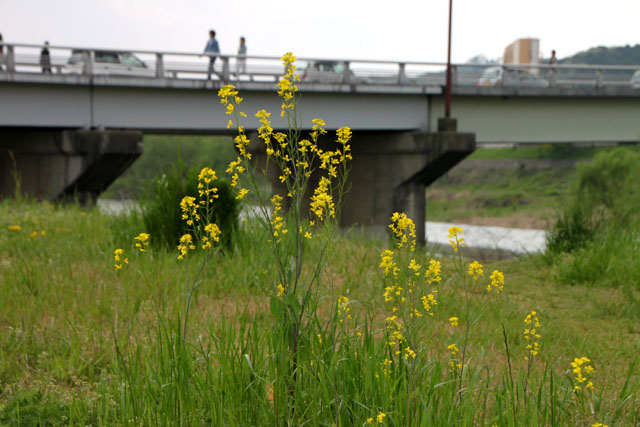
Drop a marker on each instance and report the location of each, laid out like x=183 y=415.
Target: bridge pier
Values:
x=389 y=173
x=64 y=164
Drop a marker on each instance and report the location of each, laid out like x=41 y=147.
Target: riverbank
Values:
x=521 y=187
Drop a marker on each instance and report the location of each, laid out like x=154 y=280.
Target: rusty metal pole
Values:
x=447 y=99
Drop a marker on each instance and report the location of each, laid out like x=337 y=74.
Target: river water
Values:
x=502 y=240
x=511 y=240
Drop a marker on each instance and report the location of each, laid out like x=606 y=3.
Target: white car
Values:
x=328 y=72
x=495 y=76
x=108 y=63
x=635 y=80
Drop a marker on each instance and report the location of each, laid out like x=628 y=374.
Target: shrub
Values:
x=605 y=194
x=574 y=227
x=161 y=212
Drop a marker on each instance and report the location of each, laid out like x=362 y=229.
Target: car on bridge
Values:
x=635 y=80
x=328 y=72
x=503 y=76
x=109 y=63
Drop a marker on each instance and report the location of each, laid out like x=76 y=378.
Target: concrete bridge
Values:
x=72 y=132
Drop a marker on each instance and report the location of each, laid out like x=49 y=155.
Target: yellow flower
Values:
x=343 y=308
x=531 y=335
x=243 y=192
x=453 y=321
x=322 y=201
x=214 y=231
x=582 y=369
x=454 y=238
x=281 y=289
x=403 y=229
x=186 y=244
x=142 y=240
x=475 y=270
x=433 y=272
x=380 y=417
x=118 y=257
x=15 y=228
x=369 y=420
x=497 y=281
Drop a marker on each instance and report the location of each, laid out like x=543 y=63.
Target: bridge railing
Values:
x=26 y=58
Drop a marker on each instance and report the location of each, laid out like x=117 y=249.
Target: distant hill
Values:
x=601 y=55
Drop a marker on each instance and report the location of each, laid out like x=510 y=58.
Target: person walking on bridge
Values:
x=241 y=60
x=45 y=59
x=1 y=53
x=212 y=49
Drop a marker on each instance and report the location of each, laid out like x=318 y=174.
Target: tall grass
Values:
x=595 y=237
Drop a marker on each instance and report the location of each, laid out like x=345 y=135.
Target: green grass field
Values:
x=82 y=343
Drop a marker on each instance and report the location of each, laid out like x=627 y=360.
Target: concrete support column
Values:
x=389 y=173
x=64 y=164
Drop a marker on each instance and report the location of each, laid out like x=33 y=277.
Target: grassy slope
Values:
x=519 y=187
x=62 y=305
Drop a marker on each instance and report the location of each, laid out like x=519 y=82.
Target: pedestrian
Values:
x=212 y=50
x=1 y=53
x=241 y=61
x=552 y=69
x=45 y=59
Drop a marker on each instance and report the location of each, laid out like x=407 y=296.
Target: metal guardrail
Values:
x=25 y=58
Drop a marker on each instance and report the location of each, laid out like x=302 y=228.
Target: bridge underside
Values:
x=64 y=165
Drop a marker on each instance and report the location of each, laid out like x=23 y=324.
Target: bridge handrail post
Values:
x=346 y=72
x=10 y=59
x=402 y=76
x=225 y=68
x=88 y=62
x=599 y=77
x=159 y=66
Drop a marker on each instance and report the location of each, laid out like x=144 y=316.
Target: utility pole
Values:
x=447 y=100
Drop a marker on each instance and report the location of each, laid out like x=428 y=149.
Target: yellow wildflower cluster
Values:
x=142 y=241
x=455 y=239
x=15 y=227
x=453 y=321
x=118 y=256
x=475 y=270
x=531 y=334
x=189 y=210
x=277 y=221
x=405 y=291
x=453 y=351
x=287 y=87
x=379 y=418
x=186 y=244
x=388 y=264
x=207 y=192
x=582 y=371
x=497 y=282
x=192 y=209
x=34 y=234
x=212 y=234
x=321 y=201
x=404 y=230
x=343 y=308
x=599 y=425
x=281 y=289
x=228 y=95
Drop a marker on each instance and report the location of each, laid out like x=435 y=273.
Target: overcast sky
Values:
x=411 y=30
